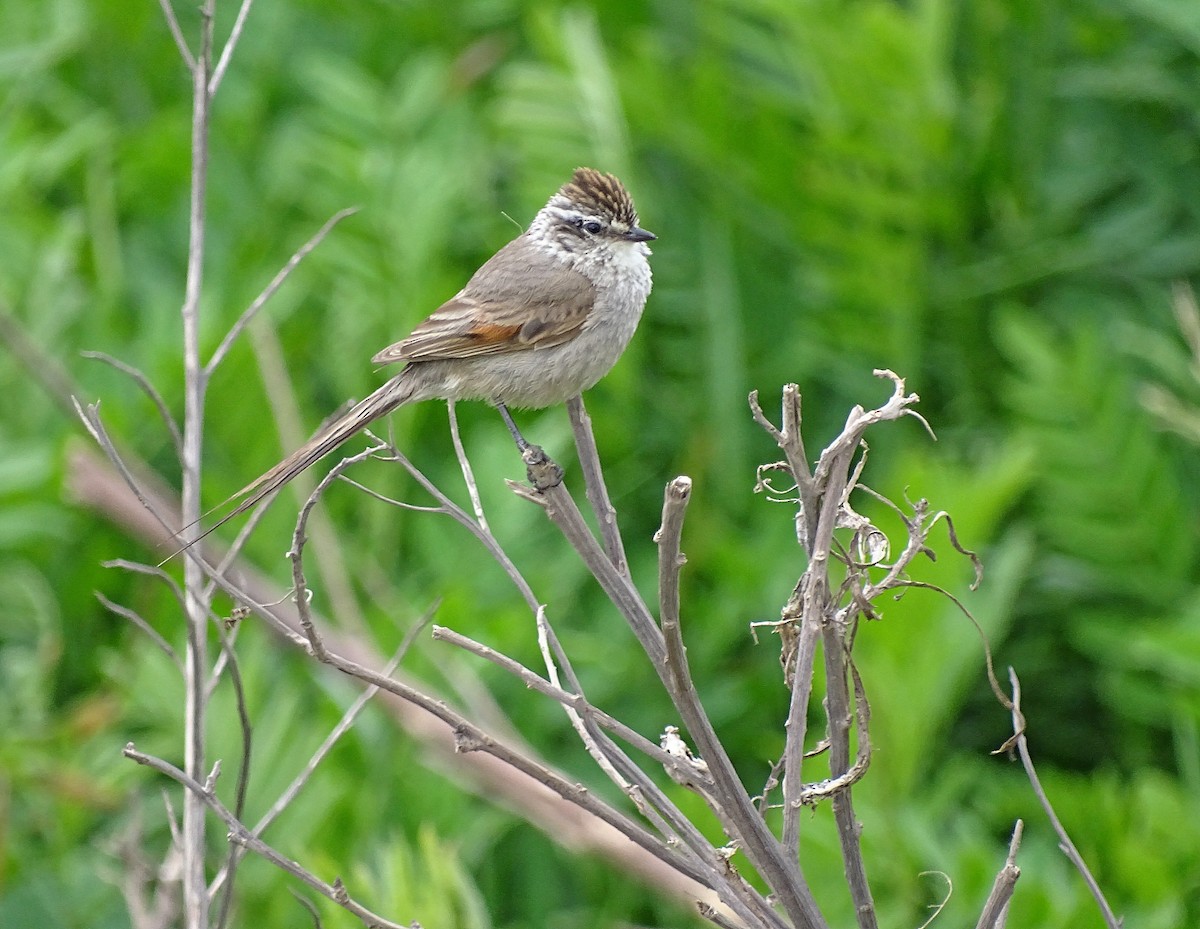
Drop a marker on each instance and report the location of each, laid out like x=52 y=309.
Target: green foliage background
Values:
x=991 y=198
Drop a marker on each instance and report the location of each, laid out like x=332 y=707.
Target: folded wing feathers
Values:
x=517 y=301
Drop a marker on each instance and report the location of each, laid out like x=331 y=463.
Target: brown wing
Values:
x=520 y=299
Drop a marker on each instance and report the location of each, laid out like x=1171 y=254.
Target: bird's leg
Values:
x=542 y=471
x=522 y=445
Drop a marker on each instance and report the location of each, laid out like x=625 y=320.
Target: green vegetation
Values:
x=992 y=199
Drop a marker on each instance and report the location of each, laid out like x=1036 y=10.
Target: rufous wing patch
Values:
x=485 y=333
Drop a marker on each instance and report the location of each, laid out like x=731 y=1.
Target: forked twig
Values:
x=289 y=793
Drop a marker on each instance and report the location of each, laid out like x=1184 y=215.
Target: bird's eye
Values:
x=591 y=227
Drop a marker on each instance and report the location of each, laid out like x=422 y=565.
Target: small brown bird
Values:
x=541 y=321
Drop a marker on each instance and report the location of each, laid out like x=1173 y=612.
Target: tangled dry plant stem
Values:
x=671 y=836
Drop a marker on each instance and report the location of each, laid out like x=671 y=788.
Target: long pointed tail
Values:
x=394 y=393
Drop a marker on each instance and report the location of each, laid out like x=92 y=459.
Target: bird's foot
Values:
x=543 y=472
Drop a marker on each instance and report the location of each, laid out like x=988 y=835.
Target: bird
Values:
x=541 y=321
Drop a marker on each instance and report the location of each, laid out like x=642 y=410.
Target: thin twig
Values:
x=392 y=501
x=941 y=904
x=177 y=34
x=464 y=464
x=995 y=909
x=989 y=666
x=151 y=633
x=90 y=417
x=299 y=581
x=229 y=656
x=149 y=390
x=597 y=489
x=276 y=282
x=230 y=45
x=1064 y=840
x=584 y=729
x=137 y=567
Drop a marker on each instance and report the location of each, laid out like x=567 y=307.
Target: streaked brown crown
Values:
x=595 y=192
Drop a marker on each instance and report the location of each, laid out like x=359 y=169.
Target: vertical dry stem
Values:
x=195 y=890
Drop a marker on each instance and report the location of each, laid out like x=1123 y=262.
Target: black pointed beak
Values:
x=638 y=234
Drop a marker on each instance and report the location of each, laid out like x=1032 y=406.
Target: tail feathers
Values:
x=391 y=395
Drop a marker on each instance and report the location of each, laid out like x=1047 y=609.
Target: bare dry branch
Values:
x=791 y=442
x=813 y=613
x=780 y=872
x=224 y=877
x=96 y=484
x=90 y=416
x=229 y=661
x=584 y=728
x=239 y=834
